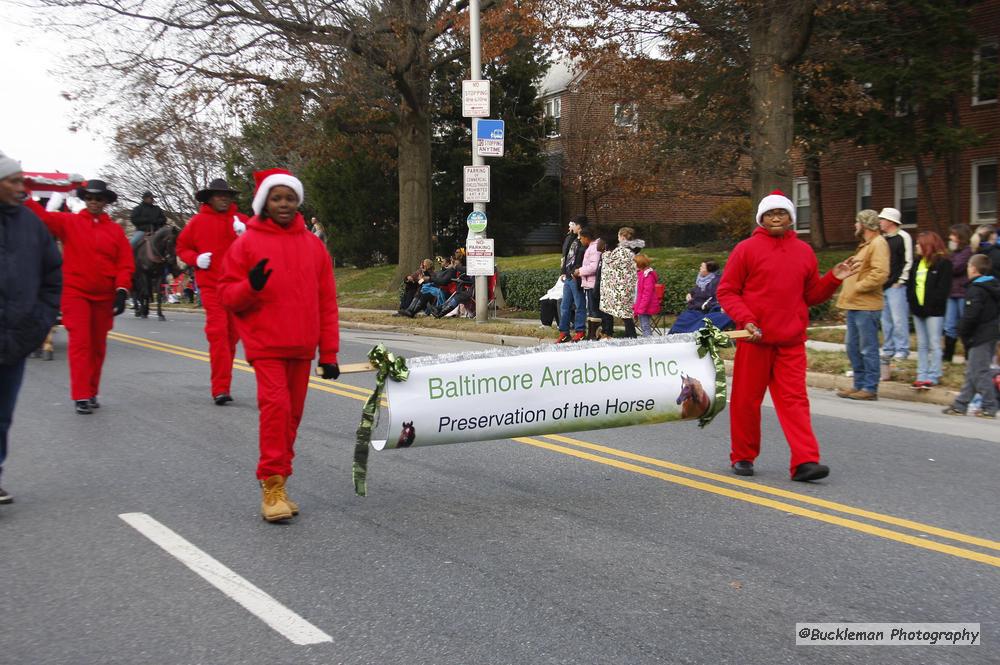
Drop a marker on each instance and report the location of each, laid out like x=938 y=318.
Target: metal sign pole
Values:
x=475 y=57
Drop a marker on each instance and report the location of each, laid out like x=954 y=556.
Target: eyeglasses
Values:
x=777 y=213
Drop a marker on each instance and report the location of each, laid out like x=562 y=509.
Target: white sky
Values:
x=34 y=118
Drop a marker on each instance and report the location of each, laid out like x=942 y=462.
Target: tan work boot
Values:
x=274 y=503
x=864 y=395
x=846 y=392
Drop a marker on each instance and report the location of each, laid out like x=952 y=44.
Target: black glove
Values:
x=258 y=278
x=329 y=370
x=120 y=296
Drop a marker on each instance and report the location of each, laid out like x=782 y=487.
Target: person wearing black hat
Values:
x=203 y=243
x=97 y=273
x=146 y=218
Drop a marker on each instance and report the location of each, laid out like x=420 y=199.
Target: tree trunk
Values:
x=817 y=231
x=414 y=190
x=779 y=34
x=924 y=187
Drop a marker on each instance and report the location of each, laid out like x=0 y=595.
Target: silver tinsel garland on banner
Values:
x=508 y=351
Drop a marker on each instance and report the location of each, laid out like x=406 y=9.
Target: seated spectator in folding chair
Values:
x=434 y=291
x=413 y=282
x=468 y=308
x=702 y=303
x=465 y=292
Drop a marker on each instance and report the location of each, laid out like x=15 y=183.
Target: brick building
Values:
x=596 y=151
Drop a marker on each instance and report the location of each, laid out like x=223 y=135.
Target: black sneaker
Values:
x=94 y=404
x=810 y=471
x=743 y=468
x=83 y=407
x=5 y=498
x=222 y=398
x=952 y=411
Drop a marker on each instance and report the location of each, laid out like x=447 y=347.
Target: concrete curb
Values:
x=887 y=390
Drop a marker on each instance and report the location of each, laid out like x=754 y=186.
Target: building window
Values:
x=800 y=196
x=553 y=112
x=984 y=192
x=627 y=116
x=986 y=80
x=906 y=195
x=864 y=191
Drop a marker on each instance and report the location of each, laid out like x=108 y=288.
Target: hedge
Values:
x=522 y=289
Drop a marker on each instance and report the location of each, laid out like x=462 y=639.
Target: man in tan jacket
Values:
x=861 y=297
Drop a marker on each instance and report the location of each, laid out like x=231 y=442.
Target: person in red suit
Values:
x=769 y=283
x=278 y=282
x=97 y=272
x=203 y=243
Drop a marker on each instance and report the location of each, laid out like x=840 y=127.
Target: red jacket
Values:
x=97 y=259
x=296 y=311
x=645 y=293
x=208 y=231
x=771 y=282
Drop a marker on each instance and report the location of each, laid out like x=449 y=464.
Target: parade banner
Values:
x=512 y=392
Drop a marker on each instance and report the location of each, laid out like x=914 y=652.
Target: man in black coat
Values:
x=29 y=291
x=146 y=218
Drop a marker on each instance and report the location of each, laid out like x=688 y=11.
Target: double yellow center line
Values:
x=720 y=485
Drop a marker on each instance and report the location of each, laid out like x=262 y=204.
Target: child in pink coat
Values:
x=646 y=305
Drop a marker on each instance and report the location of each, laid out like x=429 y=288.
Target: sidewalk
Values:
x=887 y=390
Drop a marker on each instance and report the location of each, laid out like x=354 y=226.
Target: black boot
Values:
x=439 y=312
x=949 y=349
x=593 y=325
x=417 y=304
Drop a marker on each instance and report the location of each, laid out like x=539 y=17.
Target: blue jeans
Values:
x=10 y=385
x=953 y=312
x=895 y=324
x=862 y=347
x=928 y=347
x=136 y=239
x=572 y=297
x=646 y=325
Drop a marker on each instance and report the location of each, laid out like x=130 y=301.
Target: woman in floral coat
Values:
x=618 y=279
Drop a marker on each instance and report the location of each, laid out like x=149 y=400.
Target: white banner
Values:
x=544 y=390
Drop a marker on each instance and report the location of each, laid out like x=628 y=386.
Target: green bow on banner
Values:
x=710 y=339
x=386 y=364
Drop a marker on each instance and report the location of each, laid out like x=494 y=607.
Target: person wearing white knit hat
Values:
x=283 y=314
x=769 y=283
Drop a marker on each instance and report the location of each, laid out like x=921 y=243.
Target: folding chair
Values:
x=659 y=323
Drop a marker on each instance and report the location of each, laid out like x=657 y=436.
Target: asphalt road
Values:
x=620 y=546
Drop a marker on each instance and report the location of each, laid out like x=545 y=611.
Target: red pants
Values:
x=220 y=330
x=281 y=397
x=782 y=369
x=87 y=322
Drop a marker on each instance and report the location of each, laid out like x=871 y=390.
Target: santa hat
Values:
x=776 y=200
x=270 y=178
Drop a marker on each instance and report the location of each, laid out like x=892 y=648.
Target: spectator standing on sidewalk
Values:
x=895 y=312
x=958 y=244
x=30 y=287
x=979 y=329
x=927 y=294
x=861 y=298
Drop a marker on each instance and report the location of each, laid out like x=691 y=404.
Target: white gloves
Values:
x=55 y=202
x=238 y=226
x=204 y=260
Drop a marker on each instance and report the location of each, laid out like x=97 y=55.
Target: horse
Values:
x=407 y=435
x=153 y=256
x=694 y=401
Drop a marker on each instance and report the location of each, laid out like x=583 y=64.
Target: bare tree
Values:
x=364 y=63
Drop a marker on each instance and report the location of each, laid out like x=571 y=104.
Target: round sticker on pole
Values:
x=476 y=221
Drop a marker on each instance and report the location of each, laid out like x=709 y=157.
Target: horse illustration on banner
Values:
x=693 y=400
